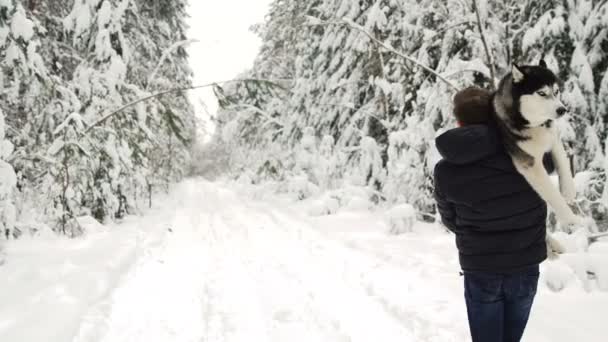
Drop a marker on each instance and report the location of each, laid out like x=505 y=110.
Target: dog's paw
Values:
x=551 y=255
x=568 y=190
x=554 y=247
x=572 y=220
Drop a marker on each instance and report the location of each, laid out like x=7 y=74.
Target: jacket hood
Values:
x=469 y=144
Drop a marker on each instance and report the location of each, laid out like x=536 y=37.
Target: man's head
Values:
x=472 y=106
x=537 y=89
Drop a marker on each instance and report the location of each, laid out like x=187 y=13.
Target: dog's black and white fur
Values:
x=525 y=106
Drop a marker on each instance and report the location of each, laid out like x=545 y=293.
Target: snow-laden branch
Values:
x=462 y=71
x=259 y=111
x=447 y=28
x=168 y=91
x=596 y=237
x=166 y=55
x=389 y=48
x=59 y=145
x=485 y=45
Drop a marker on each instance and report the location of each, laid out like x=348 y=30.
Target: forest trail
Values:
x=215 y=263
x=237 y=270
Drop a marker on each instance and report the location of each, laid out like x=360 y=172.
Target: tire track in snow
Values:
x=320 y=267
x=140 y=306
x=155 y=303
x=286 y=310
x=383 y=280
x=151 y=238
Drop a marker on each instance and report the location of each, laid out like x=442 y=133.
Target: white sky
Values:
x=226 y=45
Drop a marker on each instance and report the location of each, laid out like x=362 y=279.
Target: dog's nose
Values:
x=561 y=111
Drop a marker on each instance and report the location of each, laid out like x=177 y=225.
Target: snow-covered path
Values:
x=236 y=270
x=214 y=265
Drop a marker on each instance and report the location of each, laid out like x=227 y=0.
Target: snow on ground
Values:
x=48 y=283
x=214 y=264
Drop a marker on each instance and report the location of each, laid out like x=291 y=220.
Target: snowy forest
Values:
x=73 y=142
x=304 y=208
x=347 y=96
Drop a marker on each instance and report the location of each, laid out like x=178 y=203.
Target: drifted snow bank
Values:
x=348 y=198
x=401 y=218
x=52 y=281
x=583 y=264
x=49 y=282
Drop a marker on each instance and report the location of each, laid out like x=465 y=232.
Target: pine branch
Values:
x=485 y=45
x=318 y=22
x=165 y=55
x=354 y=25
x=447 y=28
x=257 y=110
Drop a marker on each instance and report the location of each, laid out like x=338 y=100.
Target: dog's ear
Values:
x=542 y=64
x=518 y=75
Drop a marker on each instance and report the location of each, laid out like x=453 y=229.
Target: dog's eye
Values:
x=542 y=93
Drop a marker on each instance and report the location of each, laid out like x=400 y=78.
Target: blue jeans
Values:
x=498 y=305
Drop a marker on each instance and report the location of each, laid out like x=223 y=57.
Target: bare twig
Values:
x=485 y=45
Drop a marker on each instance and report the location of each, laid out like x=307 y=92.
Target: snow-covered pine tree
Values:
x=161 y=46
x=8 y=181
x=130 y=50
x=96 y=31
x=349 y=86
x=23 y=72
x=327 y=171
x=435 y=34
x=29 y=93
x=254 y=110
x=249 y=121
x=66 y=66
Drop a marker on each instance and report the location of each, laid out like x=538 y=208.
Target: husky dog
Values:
x=525 y=106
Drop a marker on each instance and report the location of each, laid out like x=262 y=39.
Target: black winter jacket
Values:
x=498 y=219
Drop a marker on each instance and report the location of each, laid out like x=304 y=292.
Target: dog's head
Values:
x=538 y=92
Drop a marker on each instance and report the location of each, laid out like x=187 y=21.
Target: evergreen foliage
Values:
x=66 y=64
x=352 y=71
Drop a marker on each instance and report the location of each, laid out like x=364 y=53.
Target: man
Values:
x=498 y=219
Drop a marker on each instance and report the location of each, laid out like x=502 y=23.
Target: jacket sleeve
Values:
x=445 y=208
